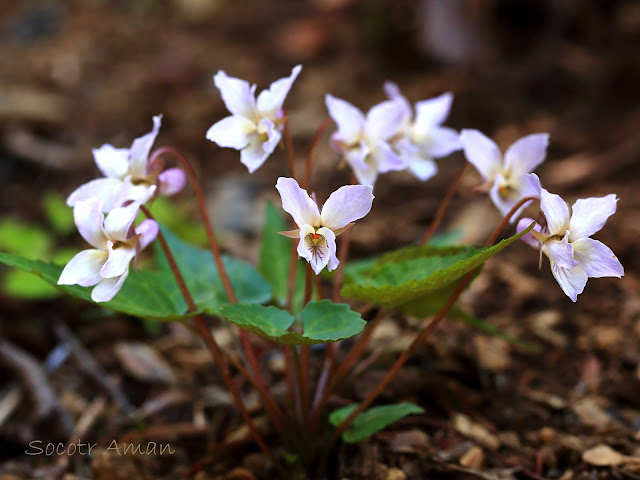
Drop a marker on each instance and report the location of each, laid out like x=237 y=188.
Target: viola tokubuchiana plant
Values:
x=282 y=306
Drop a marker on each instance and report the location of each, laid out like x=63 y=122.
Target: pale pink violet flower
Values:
x=129 y=174
x=363 y=140
x=317 y=230
x=504 y=178
x=255 y=125
x=115 y=243
x=421 y=139
x=573 y=255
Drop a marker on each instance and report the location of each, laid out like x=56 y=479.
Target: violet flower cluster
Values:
x=391 y=136
x=131 y=180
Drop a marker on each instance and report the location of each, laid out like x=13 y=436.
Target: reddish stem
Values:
x=426 y=331
x=346 y=364
x=312 y=149
x=446 y=201
x=289 y=146
x=215 y=250
x=209 y=340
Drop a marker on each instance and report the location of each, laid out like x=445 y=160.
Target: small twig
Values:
x=91 y=368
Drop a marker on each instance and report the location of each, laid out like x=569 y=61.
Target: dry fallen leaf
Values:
x=473 y=458
x=144 y=363
x=603 y=456
x=469 y=428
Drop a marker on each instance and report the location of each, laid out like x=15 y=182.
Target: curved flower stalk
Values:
x=423 y=138
x=505 y=177
x=115 y=244
x=364 y=140
x=573 y=255
x=317 y=230
x=128 y=174
x=255 y=125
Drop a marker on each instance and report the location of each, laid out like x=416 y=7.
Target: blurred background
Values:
x=75 y=74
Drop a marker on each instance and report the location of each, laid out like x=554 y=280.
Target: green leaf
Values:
x=270 y=322
x=23 y=285
x=409 y=274
x=371 y=420
x=323 y=322
x=144 y=294
x=275 y=258
x=22 y=239
x=58 y=213
x=201 y=275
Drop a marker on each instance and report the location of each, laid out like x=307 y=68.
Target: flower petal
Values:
x=383 y=121
x=346 y=205
x=556 y=211
x=531 y=186
x=267 y=127
x=481 y=152
x=108 y=287
x=119 y=221
x=83 y=269
x=113 y=162
x=349 y=119
x=571 y=280
x=237 y=94
x=140 y=148
x=393 y=92
x=305 y=246
x=386 y=159
x=590 y=214
x=254 y=155
x=128 y=192
x=361 y=164
x=527 y=153
x=528 y=238
x=171 y=181
x=231 y=132
x=596 y=259
x=504 y=200
x=148 y=231
x=118 y=262
x=89 y=219
x=103 y=189
x=422 y=168
x=434 y=111
x=329 y=248
x=270 y=101
x=298 y=203
x=442 y=141
x=560 y=252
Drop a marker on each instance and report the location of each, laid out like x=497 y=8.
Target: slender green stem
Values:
x=446 y=201
x=426 y=331
x=209 y=340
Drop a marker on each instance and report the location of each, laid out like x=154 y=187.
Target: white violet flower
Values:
x=317 y=230
x=255 y=125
